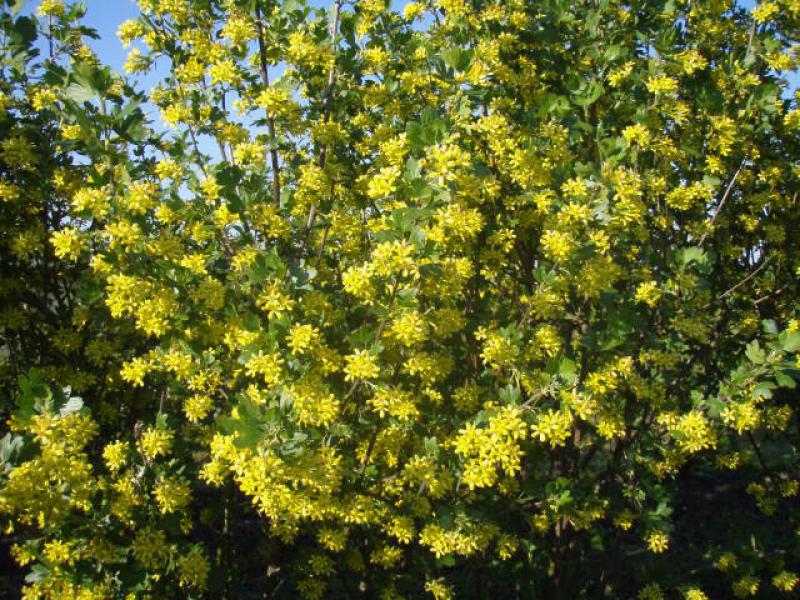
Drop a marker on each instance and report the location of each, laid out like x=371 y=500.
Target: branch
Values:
x=710 y=225
x=273 y=150
x=746 y=279
x=777 y=292
x=326 y=114
x=328 y=97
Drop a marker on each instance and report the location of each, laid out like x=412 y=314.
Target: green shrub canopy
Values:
x=469 y=299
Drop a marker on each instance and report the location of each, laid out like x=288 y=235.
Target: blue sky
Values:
x=106 y=16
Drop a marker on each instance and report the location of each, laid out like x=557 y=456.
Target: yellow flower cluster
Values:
x=488 y=448
x=68 y=243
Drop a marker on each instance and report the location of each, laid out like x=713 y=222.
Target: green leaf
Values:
x=35 y=396
x=510 y=394
x=769 y=326
x=553 y=104
x=785 y=381
x=755 y=353
x=613 y=52
x=10 y=447
x=590 y=95
x=790 y=342
x=567 y=370
x=447 y=561
x=457 y=58
x=715 y=407
x=431 y=445
x=429 y=130
x=763 y=390
x=80 y=93
x=23 y=33
x=686 y=256
x=413 y=169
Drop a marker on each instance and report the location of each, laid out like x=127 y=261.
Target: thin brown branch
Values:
x=727 y=193
x=273 y=150
x=746 y=279
x=777 y=292
x=328 y=104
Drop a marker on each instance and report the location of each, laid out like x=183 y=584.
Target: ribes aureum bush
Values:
x=454 y=300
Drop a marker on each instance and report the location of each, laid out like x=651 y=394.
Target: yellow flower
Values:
x=409 y=328
x=168 y=169
x=384 y=183
x=150 y=548
x=657 y=541
x=313 y=405
x=786 y=581
x=249 y=153
x=266 y=365
x=302 y=338
x=172 y=495
x=648 y=293
x=765 y=12
x=135 y=370
x=239 y=30
x=8 y=191
x=692 y=60
x=197 y=407
x=68 y=243
x=661 y=84
x=439 y=590
x=156 y=442
x=57 y=552
x=116 y=455
x=141 y=197
x=557 y=245
x=44 y=99
x=129 y=31
x=224 y=71
x=361 y=365
x=193 y=568
x=651 y=591
x=93 y=200
x=637 y=134
x=54 y=8
x=412 y=10
x=746 y=587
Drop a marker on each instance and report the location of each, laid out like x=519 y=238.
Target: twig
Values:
x=328 y=99
x=777 y=292
x=273 y=150
x=370 y=446
x=746 y=279
x=710 y=225
x=750 y=40
x=757 y=450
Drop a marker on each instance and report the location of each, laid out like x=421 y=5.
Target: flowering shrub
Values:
x=471 y=298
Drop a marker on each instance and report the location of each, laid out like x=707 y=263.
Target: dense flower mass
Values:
x=458 y=299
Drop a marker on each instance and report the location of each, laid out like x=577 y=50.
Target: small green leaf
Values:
x=784 y=380
x=567 y=370
x=790 y=342
x=763 y=390
x=755 y=353
x=510 y=394
x=80 y=93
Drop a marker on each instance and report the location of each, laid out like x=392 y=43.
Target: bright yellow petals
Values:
x=657 y=541
x=68 y=243
x=361 y=365
x=156 y=442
